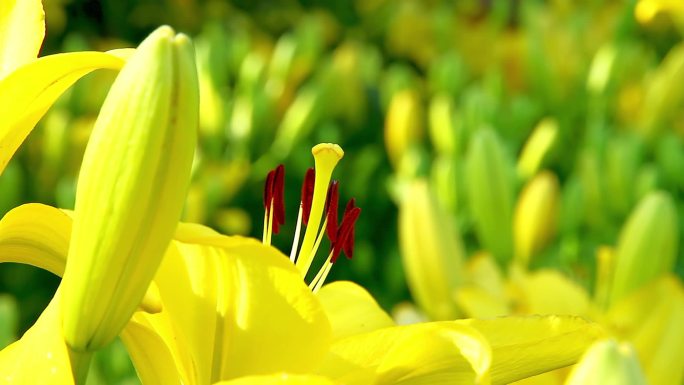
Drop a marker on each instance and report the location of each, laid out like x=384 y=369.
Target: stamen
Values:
x=274 y=214
x=307 y=194
x=331 y=204
x=295 y=242
x=326 y=156
x=278 y=198
x=345 y=235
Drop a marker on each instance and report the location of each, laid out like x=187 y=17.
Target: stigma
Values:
x=318 y=213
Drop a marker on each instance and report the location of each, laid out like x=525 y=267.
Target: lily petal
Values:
x=44 y=347
x=22 y=29
x=27 y=93
x=351 y=309
x=548 y=291
x=37 y=235
x=656 y=334
x=280 y=379
x=526 y=346
x=226 y=299
x=434 y=353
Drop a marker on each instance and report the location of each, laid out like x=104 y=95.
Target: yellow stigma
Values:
x=326 y=156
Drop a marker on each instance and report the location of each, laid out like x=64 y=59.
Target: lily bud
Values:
x=404 y=125
x=536 y=216
x=537 y=148
x=431 y=252
x=607 y=363
x=490 y=193
x=131 y=189
x=647 y=246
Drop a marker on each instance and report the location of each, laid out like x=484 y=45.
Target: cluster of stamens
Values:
x=319 y=199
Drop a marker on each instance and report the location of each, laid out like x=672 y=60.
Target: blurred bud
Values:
x=403 y=124
x=537 y=148
x=623 y=157
x=605 y=261
x=431 y=252
x=647 y=180
x=536 y=216
x=670 y=160
x=443 y=131
x=570 y=217
x=131 y=189
x=647 y=245
x=298 y=120
x=444 y=177
x=591 y=181
x=607 y=363
x=664 y=95
x=600 y=70
x=490 y=193
x=447 y=74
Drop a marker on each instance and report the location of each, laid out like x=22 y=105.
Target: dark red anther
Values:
x=345 y=234
x=278 y=198
x=331 y=203
x=307 y=194
x=268 y=190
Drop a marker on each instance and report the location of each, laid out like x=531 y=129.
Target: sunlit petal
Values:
x=351 y=309
x=22 y=28
x=27 y=93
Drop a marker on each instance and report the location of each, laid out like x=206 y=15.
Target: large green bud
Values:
x=131 y=189
x=490 y=193
x=431 y=251
x=647 y=246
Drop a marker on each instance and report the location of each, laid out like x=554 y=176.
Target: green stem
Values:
x=80 y=365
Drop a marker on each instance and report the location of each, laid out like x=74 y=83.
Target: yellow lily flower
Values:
x=235 y=310
x=30 y=85
x=130 y=194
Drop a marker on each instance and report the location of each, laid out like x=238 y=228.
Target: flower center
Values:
x=319 y=202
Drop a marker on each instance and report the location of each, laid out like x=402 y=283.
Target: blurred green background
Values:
x=402 y=86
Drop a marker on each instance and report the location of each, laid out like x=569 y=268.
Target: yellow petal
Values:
x=548 y=292
x=41 y=356
x=527 y=346
x=153 y=360
x=22 y=28
x=351 y=309
x=477 y=302
x=281 y=379
x=37 y=235
x=656 y=334
x=27 y=93
x=236 y=307
x=429 y=353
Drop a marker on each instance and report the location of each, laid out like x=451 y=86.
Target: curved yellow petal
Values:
x=548 y=292
x=37 y=235
x=527 y=346
x=22 y=28
x=154 y=361
x=28 y=92
x=279 y=379
x=41 y=356
x=235 y=307
x=656 y=334
x=351 y=309
x=430 y=353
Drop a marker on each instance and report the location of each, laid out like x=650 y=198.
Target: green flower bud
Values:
x=490 y=193
x=647 y=246
x=131 y=188
x=607 y=363
x=431 y=252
